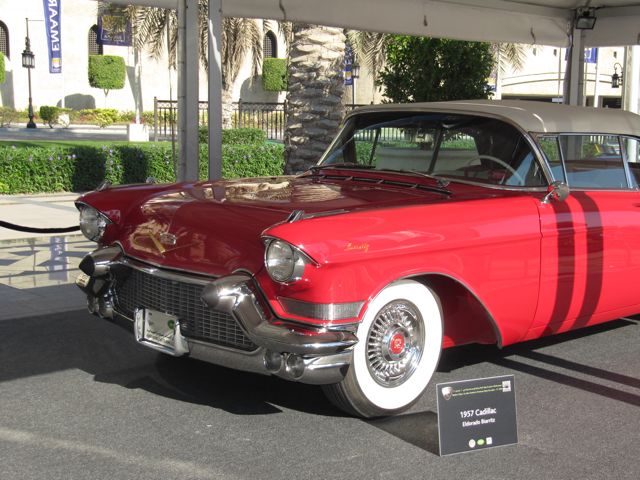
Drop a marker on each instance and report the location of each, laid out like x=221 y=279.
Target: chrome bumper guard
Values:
x=320 y=358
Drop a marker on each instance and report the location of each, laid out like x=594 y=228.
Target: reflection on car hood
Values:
x=215 y=227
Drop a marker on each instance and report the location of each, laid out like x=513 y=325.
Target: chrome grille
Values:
x=138 y=289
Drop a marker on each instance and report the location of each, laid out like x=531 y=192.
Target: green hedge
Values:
x=2 y=72
x=82 y=168
x=235 y=136
x=274 y=74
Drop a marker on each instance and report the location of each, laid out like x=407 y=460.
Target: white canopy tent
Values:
x=541 y=22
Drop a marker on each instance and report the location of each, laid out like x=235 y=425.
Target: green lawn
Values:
x=68 y=143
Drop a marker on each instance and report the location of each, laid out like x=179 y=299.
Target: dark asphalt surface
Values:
x=80 y=400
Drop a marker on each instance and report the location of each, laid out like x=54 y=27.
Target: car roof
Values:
x=532 y=116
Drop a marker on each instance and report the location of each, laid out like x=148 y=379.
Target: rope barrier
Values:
x=21 y=228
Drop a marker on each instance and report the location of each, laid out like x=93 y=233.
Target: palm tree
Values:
x=370 y=48
x=316 y=87
x=157 y=30
x=507 y=54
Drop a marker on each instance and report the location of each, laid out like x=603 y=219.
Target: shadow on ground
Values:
x=106 y=350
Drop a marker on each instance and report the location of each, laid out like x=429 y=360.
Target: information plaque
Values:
x=476 y=414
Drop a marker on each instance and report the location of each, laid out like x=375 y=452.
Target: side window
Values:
x=94 y=47
x=632 y=153
x=593 y=161
x=269 y=45
x=4 y=39
x=551 y=149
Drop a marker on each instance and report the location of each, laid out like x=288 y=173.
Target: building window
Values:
x=4 y=39
x=269 y=45
x=95 y=48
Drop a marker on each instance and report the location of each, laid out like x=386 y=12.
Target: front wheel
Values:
x=400 y=339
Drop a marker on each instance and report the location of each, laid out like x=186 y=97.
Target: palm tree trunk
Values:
x=227 y=108
x=316 y=87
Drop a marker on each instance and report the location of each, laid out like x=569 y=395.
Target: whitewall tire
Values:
x=399 y=344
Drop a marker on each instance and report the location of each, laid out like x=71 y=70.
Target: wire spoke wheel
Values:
x=395 y=343
x=400 y=339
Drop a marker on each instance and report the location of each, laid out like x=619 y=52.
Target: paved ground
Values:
x=73 y=132
x=55 y=210
x=81 y=400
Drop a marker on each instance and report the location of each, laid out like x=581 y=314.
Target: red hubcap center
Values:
x=396 y=344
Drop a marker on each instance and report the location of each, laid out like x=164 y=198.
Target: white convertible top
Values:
x=532 y=116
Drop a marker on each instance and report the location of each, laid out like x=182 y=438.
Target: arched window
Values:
x=95 y=48
x=269 y=45
x=4 y=39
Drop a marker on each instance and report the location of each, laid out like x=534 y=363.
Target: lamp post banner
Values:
x=52 y=22
x=114 y=28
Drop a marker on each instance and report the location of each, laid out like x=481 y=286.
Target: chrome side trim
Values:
x=321 y=311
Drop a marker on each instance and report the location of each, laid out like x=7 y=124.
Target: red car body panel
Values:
x=380 y=233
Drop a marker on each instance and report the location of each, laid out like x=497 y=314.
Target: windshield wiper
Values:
x=352 y=166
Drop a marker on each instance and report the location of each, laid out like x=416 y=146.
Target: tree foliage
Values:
x=423 y=69
x=107 y=72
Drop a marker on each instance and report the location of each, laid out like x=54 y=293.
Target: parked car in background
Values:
x=423 y=227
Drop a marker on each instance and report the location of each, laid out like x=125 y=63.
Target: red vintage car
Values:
x=422 y=227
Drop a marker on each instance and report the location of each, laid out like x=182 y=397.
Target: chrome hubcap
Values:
x=395 y=343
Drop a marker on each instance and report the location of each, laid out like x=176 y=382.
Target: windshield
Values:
x=479 y=149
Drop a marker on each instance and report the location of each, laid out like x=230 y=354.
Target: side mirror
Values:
x=558 y=191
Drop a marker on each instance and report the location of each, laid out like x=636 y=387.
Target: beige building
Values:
x=540 y=79
x=78 y=40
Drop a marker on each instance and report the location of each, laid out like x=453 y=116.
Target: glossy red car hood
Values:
x=215 y=227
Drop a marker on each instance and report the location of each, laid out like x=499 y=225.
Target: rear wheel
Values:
x=400 y=339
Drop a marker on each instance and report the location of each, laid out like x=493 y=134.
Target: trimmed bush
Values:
x=106 y=72
x=82 y=168
x=2 y=72
x=7 y=115
x=50 y=115
x=274 y=74
x=106 y=116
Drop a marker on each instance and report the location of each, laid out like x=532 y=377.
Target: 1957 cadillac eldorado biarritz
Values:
x=422 y=227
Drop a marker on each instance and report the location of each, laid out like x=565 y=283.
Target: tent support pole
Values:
x=188 y=68
x=215 y=90
x=574 y=76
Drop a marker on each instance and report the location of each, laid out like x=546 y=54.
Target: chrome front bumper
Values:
x=322 y=357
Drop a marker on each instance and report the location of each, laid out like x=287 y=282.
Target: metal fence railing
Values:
x=271 y=117
x=165 y=115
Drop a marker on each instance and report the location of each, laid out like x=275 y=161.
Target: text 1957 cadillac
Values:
x=422 y=227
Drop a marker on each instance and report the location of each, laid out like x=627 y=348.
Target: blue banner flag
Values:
x=114 y=28
x=591 y=55
x=52 y=22
x=348 y=65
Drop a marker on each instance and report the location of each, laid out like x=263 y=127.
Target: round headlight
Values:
x=280 y=261
x=92 y=223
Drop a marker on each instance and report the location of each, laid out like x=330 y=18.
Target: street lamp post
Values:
x=29 y=62
x=616 y=80
x=355 y=74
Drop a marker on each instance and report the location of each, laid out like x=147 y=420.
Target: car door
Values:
x=590 y=249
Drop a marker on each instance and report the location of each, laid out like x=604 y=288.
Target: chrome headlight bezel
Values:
x=92 y=223
x=284 y=262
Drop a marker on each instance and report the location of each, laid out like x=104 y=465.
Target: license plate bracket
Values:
x=160 y=331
